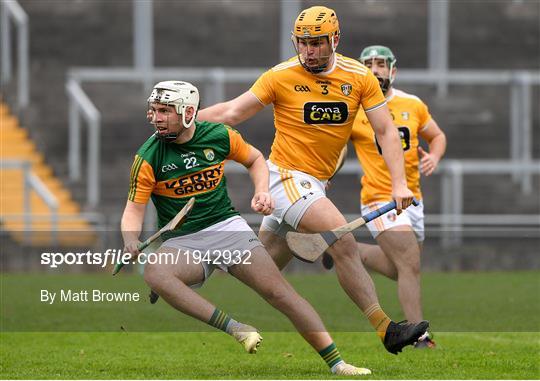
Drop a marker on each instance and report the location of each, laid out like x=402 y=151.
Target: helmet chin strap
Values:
x=320 y=68
x=166 y=138
x=172 y=136
x=169 y=137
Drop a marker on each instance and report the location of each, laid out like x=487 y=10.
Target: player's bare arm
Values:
x=436 y=140
x=234 y=111
x=388 y=138
x=258 y=171
x=131 y=226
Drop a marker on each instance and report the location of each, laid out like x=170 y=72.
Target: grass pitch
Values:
x=486 y=326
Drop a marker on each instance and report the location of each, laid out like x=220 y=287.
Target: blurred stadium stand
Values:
x=482 y=35
x=30 y=215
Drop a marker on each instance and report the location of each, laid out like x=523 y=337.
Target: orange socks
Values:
x=378 y=319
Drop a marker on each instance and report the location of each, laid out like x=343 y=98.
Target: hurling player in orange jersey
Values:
x=399 y=237
x=316 y=96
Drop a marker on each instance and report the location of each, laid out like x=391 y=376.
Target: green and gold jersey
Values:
x=172 y=173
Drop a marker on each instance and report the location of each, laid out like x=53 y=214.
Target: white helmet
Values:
x=178 y=94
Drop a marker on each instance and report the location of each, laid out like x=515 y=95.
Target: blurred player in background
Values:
x=399 y=237
x=316 y=96
x=185 y=159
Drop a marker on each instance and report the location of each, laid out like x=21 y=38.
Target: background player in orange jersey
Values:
x=316 y=96
x=399 y=237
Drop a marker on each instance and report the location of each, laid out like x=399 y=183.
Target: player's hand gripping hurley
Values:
x=310 y=246
x=173 y=224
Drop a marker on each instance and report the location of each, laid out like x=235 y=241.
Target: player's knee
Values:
x=344 y=249
x=409 y=261
x=414 y=267
x=408 y=269
x=153 y=276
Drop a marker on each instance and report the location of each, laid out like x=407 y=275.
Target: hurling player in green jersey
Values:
x=183 y=159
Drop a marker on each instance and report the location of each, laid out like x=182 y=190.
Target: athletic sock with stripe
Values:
x=378 y=319
x=331 y=356
x=222 y=321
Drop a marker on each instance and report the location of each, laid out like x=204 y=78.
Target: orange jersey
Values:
x=314 y=113
x=410 y=116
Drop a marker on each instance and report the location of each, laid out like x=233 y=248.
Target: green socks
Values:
x=331 y=355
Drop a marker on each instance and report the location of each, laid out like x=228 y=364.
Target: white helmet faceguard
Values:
x=178 y=94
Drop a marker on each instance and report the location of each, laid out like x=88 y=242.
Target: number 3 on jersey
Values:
x=190 y=162
x=324 y=89
x=404 y=136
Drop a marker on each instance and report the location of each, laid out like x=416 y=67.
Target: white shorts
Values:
x=412 y=216
x=293 y=193
x=214 y=246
